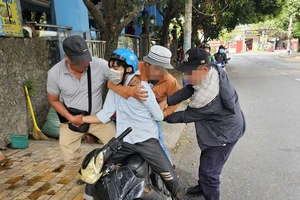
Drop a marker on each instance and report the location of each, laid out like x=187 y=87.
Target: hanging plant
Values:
x=152 y=19
x=141 y=19
x=29 y=86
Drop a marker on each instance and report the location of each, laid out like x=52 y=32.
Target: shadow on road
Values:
x=186 y=180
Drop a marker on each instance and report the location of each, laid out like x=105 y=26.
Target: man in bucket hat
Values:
x=218 y=118
x=153 y=70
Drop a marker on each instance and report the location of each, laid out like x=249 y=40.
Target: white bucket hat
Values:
x=159 y=56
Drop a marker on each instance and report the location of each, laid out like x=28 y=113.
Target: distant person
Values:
x=152 y=33
x=283 y=45
x=221 y=56
x=207 y=48
x=130 y=29
x=180 y=54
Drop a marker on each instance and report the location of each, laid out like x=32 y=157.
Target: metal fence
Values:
x=130 y=42
x=97 y=47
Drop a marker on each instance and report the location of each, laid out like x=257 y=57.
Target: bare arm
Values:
x=61 y=109
x=91 y=119
x=104 y=115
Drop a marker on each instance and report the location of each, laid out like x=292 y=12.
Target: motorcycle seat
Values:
x=137 y=164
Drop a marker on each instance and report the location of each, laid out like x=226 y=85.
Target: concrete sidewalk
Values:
x=172 y=132
x=38 y=172
x=292 y=56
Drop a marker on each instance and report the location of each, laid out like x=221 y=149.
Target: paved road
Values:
x=265 y=164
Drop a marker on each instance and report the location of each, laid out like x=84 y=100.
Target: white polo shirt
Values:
x=74 y=92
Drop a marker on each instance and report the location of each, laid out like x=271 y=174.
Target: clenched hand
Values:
x=76 y=120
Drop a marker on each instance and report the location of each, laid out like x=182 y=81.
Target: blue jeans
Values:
x=161 y=142
x=184 y=83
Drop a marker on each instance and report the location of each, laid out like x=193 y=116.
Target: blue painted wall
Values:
x=71 y=13
x=152 y=11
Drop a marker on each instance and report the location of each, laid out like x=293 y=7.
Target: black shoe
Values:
x=80 y=182
x=179 y=195
x=194 y=190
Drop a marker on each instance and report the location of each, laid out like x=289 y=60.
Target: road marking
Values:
x=282 y=73
x=297 y=79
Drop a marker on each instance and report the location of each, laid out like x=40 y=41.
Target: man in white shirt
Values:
x=68 y=80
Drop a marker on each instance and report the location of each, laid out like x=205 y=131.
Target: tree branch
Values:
x=129 y=18
x=151 y=2
x=96 y=15
x=159 y=10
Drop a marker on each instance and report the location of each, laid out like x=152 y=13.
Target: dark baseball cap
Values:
x=193 y=58
x=76 y=49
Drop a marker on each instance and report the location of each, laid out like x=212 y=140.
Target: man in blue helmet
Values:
x=141 y=116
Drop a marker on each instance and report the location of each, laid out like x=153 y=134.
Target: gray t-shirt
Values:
x=74 y=92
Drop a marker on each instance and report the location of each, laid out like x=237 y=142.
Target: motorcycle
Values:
x=133 y=179
x=223 y=64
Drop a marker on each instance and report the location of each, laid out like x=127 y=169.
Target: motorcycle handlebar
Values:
x=125 y=133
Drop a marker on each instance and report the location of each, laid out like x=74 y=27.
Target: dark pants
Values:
x=212 y=160
x=152 y=152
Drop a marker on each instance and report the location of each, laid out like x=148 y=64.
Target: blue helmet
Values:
x=127 y=56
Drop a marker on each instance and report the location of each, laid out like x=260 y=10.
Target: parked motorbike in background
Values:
x=133 y=179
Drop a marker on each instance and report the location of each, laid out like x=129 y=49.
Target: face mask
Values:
x=207 y=50
x=115 y=76
x=222 y=50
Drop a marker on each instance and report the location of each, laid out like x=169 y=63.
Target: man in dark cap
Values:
x=69 y=80
x=218 y=118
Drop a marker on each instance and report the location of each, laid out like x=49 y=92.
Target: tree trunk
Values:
x=290 y=33
x=195 y=37
x=165 y=32
x=187 y=44
x=111 y=43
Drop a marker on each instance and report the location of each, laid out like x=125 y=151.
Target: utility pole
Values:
x=188 y=25
x=290 y=35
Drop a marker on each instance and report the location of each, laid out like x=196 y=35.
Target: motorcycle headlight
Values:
x=91 y=173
